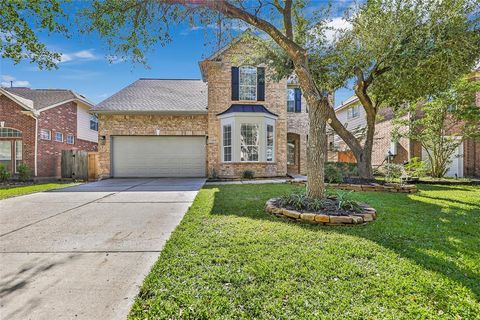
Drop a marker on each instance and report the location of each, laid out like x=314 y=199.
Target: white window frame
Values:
x=61 y=135
x=251 y=145
x=270 y=123
x=288 y=90
x=353 y=112
x=231 y=142
x=240 y=85
x=94 y=118
x=73 y=138
x=16 y=154
x=42 y=131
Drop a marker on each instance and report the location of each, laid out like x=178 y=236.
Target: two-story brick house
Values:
x=233 y=119
x=37 y=124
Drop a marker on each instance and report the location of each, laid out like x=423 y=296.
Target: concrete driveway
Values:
x=82 y=252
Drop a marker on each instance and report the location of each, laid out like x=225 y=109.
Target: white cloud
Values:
x=8 y=80
x=335 y=26
x=79 y=55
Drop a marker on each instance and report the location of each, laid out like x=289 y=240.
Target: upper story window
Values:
x=248 y=83
x=10 y=133
x=290 y=100
x=353 y=112
x=294 y=100
x=45 y=134
x=94 y=122
x=70 y=139
x=59 y=136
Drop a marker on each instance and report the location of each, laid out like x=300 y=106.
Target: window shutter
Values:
x=235 y=83
x=260 y=84
x=298 y=100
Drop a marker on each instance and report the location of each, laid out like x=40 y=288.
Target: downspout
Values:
x=36 y=146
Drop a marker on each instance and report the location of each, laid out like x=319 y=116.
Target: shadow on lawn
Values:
x=435 y=236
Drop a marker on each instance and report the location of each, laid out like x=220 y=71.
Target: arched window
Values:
x=10 y=133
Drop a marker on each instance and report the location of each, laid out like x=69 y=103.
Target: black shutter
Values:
x=298 y=100
x=260 y=84
x=235 y=83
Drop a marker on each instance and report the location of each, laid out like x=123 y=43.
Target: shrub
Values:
x=23 y=172
x=4 y=173
x=345 y=202
x=333 y=174
x=416 y=168
x=393 y=170
x=300 y=201
x=248 y=174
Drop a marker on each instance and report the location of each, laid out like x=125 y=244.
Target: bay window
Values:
x=249 y=142
x=247 y=137
x=227 y=143
x=270 y=139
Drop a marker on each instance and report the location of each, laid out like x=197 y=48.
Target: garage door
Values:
x=158 y=156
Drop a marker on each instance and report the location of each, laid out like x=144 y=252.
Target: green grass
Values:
x=27 y=189
x=228 y=259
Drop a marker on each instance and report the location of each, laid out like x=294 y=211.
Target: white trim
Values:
x=36 y=147
x=49 y=134
x=66 y=101
x=55 y=136
x=22 y=102
x=70 y=135
x=240 y=83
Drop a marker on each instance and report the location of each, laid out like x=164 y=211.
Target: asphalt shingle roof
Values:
x=44 y=97
x=158 y=95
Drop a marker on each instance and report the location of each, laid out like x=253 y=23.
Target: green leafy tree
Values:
x=394 y=51
x=20 y=21
x=393 y=46
x=444 y=122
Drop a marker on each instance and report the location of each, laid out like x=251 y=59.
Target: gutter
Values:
x=181 y=113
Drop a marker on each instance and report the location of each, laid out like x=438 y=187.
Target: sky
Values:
x=86 y=69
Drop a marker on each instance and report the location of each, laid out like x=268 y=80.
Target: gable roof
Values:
x=44 y=98
x=23 y=102
x=148 y=95
x=350 y=101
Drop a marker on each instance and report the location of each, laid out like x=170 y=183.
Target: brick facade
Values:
x=219 y=99
x=218 y=73
x=298 y=123
x=15 y=117
x=143 y=125
x=59 y=119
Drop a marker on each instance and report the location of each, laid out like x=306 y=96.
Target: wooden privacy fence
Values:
x=77 y=164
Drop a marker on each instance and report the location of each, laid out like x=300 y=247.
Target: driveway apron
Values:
x=82 y=252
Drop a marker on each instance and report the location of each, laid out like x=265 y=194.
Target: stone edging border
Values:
x=374 y=187
x=369 y=214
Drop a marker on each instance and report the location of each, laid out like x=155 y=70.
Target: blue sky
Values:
x=86 y=69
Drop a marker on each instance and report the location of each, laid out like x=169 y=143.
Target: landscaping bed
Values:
x=329 y=215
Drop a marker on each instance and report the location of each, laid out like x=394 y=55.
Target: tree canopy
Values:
x=20 y=22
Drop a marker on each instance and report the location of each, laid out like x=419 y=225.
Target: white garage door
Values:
x=158 y=156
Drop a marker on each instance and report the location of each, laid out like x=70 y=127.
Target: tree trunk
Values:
x=316 y=152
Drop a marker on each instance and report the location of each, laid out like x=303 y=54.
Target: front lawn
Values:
x=228 y=259
x=27 y=189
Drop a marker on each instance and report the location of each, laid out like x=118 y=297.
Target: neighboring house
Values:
x=37 y=124
x=465 y=162
x=234 y=119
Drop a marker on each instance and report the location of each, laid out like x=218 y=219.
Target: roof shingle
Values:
x=158 y=95
x=43 y=98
